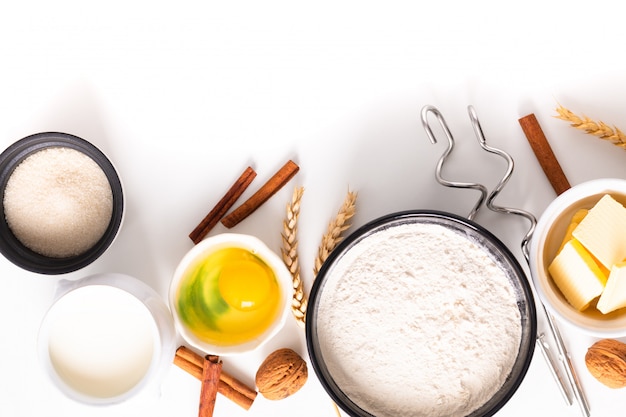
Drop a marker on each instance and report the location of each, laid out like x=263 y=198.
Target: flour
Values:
x=418 y=320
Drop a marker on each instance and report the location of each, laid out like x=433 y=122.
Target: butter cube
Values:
x=614 y=295
x=576 y=219
x=577 y=275
x=603 y=231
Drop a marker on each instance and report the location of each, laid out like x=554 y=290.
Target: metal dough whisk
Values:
x=572 y=385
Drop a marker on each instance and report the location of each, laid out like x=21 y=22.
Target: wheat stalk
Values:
x=334 y=232
x=289 y=253
x=599 y=129
x=330 y=240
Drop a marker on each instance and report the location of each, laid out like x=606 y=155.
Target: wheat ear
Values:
x=599 y=129
x=289 y=253
x=334 y=232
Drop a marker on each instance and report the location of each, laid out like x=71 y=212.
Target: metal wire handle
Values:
x=454 y=184
x=574 y=387
x=566 y=389
x=510 y=164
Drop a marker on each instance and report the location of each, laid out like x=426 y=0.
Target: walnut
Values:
x=606 y=361
x=281 y=374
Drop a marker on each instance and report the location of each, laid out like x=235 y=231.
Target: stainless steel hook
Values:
x=510 y=164
x=572 y=387
x=454 y=184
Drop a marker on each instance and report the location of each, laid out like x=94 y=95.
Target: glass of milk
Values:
x=106 y=338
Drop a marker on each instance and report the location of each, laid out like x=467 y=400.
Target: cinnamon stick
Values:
x=220 y=209
x=189 y=367
x=211 y=371
x=198 y=360
x=229 y=386
x=275 y=183
x=543 y=152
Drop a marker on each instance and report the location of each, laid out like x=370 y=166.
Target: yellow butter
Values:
x=603 y=231
x=577 y=275
x=614 y=295
x=576 y=219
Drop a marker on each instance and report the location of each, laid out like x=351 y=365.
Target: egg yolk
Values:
x=244 y=285
x=231 y=296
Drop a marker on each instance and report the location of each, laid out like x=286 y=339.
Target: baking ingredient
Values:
x=282 y=374
x=58 y=202
x=228 y=386
x=576 y=219
x=335 y=230
x=603 y=231
x=101 y=340
x=599 y=129
x=267 y=190
x=289 y=250
x=229 y=296
x=589 y=263
x=222 y=206
x=606 y=361
x=577 y=275
x=614 y=295
x=544 y=154
x=211 y=370
x=417 y=319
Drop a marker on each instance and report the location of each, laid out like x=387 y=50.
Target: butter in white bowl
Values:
x=590 y=258
x=577 y=255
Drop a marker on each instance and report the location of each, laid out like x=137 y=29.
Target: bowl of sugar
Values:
x=421 y=313
x=61 y=203
x=106 y=338
x=230 y=294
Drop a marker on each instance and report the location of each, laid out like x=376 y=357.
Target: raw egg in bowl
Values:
x=230 y=293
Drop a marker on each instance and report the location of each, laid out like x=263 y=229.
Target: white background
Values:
x=184 y=95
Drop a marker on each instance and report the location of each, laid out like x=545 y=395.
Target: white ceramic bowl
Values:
x=200 y=252
x=545 y=242
x=106 y=339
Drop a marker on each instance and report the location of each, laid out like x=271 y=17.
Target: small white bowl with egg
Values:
x=230 y=294
x=571 y=273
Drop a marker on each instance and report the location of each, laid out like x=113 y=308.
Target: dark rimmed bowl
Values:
x=22 y=256
x=494 y=248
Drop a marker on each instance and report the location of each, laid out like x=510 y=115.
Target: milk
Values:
x=101 y=341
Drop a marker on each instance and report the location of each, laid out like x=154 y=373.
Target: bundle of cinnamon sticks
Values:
x=218 y=213
x=214 y=379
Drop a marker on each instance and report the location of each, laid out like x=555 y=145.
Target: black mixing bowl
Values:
x=24 y=257
x=493 y=247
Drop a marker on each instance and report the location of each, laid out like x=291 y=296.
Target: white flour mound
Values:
x=418 y=320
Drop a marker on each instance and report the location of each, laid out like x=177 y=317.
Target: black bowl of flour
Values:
x=61 y=203
x=421 y=313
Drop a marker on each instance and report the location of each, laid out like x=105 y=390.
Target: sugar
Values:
x=418 y=320
x=58 y=202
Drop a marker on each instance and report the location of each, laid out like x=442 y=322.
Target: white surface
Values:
x=182 y=96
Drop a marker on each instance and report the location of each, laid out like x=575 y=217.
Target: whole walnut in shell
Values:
x=281 y=374
x=606 y=361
